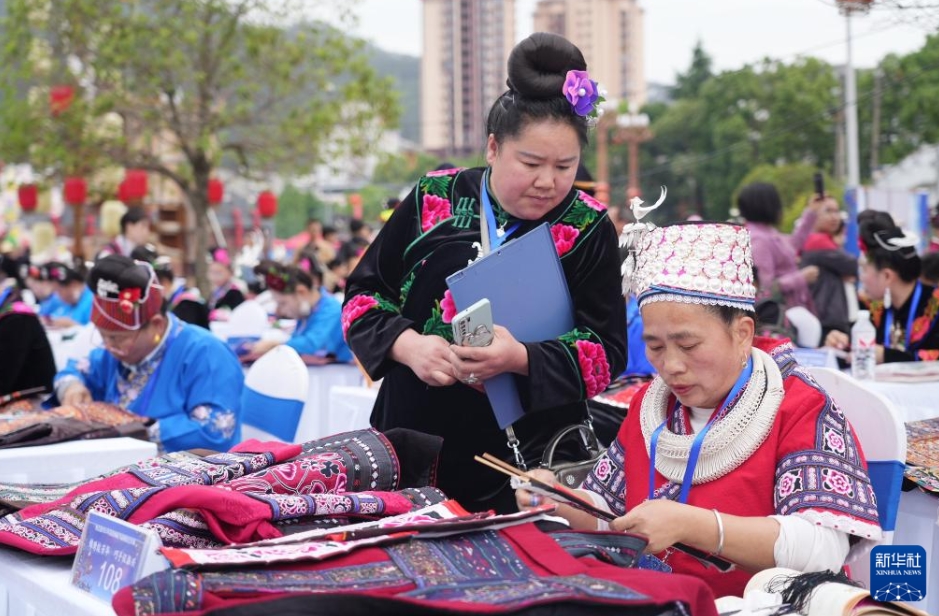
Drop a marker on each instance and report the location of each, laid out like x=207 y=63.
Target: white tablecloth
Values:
x=915 y=401
x=33 y=585
x=350 y=408
x=918 y=524
x=71 y=460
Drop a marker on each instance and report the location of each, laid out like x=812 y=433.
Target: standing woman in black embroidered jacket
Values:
x=397 y=311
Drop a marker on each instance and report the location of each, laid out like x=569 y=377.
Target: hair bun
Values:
x=538 y=65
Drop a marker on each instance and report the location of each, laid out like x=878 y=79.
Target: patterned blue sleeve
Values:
x=608 y=479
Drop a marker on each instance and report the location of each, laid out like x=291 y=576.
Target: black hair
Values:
x=930 y=265
x=356 y=225
x=882 y=254
x=392 y=203
x=729 y=314
x=328 y=229
x=870 y=221
x=537 y=69
x=760 y=202
x=64 y=274
x=131 y=216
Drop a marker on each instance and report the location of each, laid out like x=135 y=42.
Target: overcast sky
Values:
x=734 y=32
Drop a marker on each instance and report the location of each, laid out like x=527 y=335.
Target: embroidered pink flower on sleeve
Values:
x=355 y=308
x=564 y=238
x=593 y=366
x=448 y=307
x=434 y=210
x=592 y=203
x=440 y=172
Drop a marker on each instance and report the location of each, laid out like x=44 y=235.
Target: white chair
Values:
x=248 y=319
x=808 y=327
x=274 y=395
x=882 y=437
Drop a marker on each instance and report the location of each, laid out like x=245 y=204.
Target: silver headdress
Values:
x=632 y=234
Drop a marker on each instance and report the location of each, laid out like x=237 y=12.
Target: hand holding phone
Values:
x=473 y=326
x=819 y=180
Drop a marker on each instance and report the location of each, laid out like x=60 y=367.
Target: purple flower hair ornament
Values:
x=582 y=93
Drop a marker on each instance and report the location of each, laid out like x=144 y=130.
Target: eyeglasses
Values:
x=116 y=341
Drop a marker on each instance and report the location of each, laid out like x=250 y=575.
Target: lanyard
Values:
x=888 y=325
x=497 y=235
x=698 y=439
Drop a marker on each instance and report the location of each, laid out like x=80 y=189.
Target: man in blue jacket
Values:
x=155 y=365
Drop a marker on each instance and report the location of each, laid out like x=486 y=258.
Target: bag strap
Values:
x=587 y=433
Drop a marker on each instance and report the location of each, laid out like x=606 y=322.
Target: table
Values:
x=72 y=460
x=915 y=401
x=918 y=524
x=32 y=585
x=350 y=408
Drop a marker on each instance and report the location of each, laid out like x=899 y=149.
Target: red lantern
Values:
x=134 y=184
x=28 y=196
x=75 y=191
x=60 y=99
x=216 y=191
x=267 y=204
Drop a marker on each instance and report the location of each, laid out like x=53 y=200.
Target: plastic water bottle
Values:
x=863 y=341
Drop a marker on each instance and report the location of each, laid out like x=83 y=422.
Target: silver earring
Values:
x=888 y=301
x=743 y=363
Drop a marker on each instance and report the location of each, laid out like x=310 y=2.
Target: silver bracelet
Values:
x=720 y=532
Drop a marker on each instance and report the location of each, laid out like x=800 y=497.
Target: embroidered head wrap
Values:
x=126 y=292
x=695 y=263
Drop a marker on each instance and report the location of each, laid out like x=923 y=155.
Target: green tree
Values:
x=295 y=208
x=772 y=113
x=201 y=81
x=688 y=84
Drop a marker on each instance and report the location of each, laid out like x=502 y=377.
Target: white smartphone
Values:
x=473 y=326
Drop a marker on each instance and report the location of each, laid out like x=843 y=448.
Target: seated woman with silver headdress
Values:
x=753 y=461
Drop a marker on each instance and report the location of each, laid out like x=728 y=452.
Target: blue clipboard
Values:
x=525 y=285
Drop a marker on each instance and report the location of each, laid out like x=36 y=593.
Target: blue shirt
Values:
x=195 y=385
x=636 y=360
x=80 y=312
x=50 y=305
x=321 y=332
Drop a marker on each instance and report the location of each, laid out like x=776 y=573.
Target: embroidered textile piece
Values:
x=620 y=549
x=93 y=412
x=369 y=459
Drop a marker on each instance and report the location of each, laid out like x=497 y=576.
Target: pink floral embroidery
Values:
x=834 y=441
x=593 y=366
x=435 y=209
x=355 y=308
x=564 y=238
x=593 y=203
x=789 y=483
x=448 y=307
x=603 y=469
x=440 y=172
x=836 y=481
